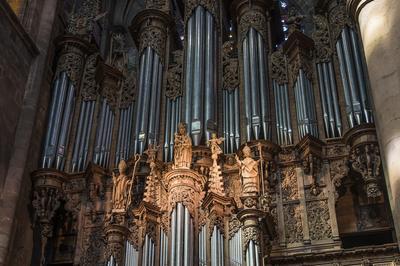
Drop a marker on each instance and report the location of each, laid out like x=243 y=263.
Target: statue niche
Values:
x=249 y=173
x=183 y=148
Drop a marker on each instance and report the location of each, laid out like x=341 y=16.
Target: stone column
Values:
x=378 y=23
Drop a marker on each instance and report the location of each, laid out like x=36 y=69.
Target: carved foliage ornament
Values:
x=81 y=22
x=251 y=233
x=128 y=90
x=323 y=51
x=301 y=61
x=154 y=37
x=293 y=224
x=338 y=170
x=210 y=5
x=46 y=201
x=71 y=62
x=290 y=189
x=253 y=19
x=216 y=220
x=319 y=220
x=279 y=70
x=234 y=227
x=174 y=76
x=367 y=161
x=230 y=68
x=338 y=19
x=90 y=87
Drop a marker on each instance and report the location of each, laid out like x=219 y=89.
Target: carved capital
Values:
x=116 y=236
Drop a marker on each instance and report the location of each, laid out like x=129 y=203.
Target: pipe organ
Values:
x=223 y=148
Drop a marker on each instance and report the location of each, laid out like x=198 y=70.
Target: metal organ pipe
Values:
x=353 y=78
x=61 y=109
x=255 y=86
x=200 y=81
x=182 y=236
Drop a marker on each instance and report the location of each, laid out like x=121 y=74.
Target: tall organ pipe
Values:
x=200 y=80
x=353 y=78
x=182 y=236
x=256 y=91
x=61 y=108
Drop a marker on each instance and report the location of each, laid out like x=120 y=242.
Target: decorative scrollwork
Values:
x=293 y=225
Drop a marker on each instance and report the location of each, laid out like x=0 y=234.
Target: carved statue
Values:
x=249 y=173
x=216 y=150
x=183 y=148
x=294 y=21
x=121 y=190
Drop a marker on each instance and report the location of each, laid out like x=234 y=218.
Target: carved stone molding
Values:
x=338 y=170
x=234 y=227
x=128 y=90
x=319 y=220
x=323 y=50
x=110 y=82
x=175 y=76
x=157 y=4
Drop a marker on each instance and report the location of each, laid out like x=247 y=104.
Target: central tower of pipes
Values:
x=200 y=69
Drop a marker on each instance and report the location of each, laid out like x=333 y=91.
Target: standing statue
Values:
x=216 y=150
x=249 y=172
x=182 y=148
x=121 y=189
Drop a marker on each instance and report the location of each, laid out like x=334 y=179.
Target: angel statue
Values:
x=249 y=173
x=216 y=150
x=182 y=148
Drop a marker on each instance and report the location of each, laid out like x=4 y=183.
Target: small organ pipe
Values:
x=322 y=85
x=232 y=122
x=168 y=125
x=329 y=99
x=237 y=119
x=143 y=63
x=288 y=114
x=79 y=140
x=335 y=99
x=173 y=235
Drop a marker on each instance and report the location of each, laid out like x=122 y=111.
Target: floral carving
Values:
x=338 y=19
x=338 y=170
x=253 y=19
x=81 y=22
x=71 y=62
x=278 y=67
x=128 y=90
x=323 y=51
x=234 y=227
x=218 y=221
x=293 y=225
x=230 y=67
x=319 y=220
x=154 y=37
x=289 y=184
x=210 y=5
x=90 y=88
x=174 y=76
x=250 y=233
x=93 y=247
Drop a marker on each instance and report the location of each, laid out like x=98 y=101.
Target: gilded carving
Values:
x=216 y=183
x=290 y=189
x=182 y=148
x=249 y=173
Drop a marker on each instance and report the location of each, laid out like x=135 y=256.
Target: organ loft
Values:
x=199 y=132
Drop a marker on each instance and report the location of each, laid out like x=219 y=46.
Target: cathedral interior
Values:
x=199 y=132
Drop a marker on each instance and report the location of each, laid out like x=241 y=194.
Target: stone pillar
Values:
x=378 y=23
